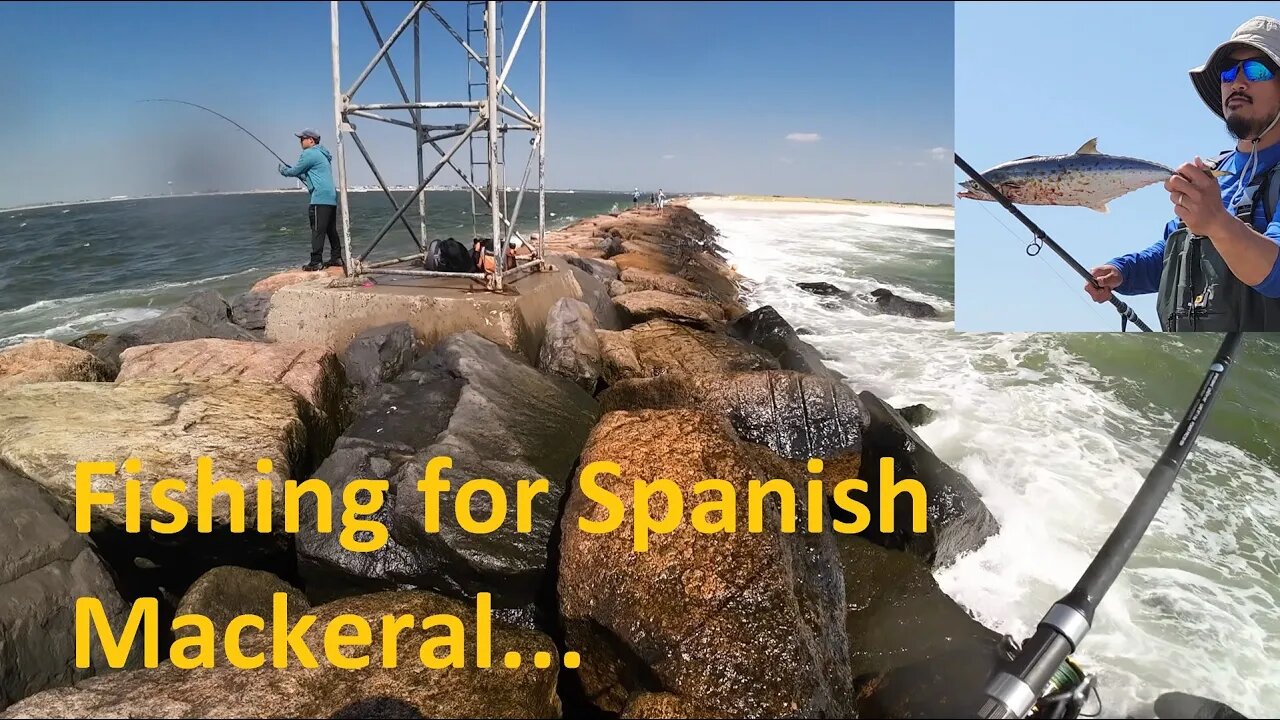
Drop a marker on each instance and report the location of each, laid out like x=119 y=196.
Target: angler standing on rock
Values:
x=1218 y=266
x=315 y=169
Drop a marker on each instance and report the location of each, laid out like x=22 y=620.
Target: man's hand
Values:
x=282 y=168
x=1197 y=199
x=1108 y=276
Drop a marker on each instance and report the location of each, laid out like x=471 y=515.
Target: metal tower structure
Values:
x=490 y=119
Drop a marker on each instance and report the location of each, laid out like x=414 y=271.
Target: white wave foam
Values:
x=1057 y=457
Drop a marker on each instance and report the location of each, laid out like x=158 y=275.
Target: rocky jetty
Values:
x=700 y=417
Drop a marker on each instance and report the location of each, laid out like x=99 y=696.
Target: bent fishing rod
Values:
x=224 y=117
x=1040 y=675
x=1127 y=314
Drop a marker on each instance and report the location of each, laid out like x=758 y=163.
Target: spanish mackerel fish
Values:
x=1085 y=178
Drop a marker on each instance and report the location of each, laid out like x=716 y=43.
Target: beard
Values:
x=1243 y=128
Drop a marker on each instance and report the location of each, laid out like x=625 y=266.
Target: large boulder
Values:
x=887 y=302
x=797 y=416
x=272 y=283
x=660 y=346
x=407 y=689
x=49 y=361
x=747 y=623
x=249 y=311
x=570 y=347
x=957 y=521
x=311 y=371
x=602 y=270
x=378 y=355
x=644 y=305
x=46 y=429
x=204 y=314
x=494 y=417
x=898 y=615
x=647 y=280
x=766 y=329
x=226 y=592
x=595 y=294
x=44 y=567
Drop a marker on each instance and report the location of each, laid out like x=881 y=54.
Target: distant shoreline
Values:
x=71 y=203
x=725 y=196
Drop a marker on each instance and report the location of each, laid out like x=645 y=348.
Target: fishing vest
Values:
x=1198 y=291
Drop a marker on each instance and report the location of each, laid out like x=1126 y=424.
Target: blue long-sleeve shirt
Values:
x=315 y=170
x=1141 y=270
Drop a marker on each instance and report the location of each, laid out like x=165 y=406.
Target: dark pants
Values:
x=324 y=222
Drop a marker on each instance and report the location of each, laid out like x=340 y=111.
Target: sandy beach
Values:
x=930 y=217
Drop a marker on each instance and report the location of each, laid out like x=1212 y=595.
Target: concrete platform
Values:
x=314 y=312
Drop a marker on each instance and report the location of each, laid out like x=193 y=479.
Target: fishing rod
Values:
x=1127 y=314
x=224 y=117
x=1040 y=675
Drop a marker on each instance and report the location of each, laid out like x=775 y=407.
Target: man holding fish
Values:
x=1217 y=267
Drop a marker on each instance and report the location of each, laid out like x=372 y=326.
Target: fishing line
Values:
x=224 y=117
x=1070 y=288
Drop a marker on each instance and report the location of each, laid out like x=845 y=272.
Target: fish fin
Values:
x=1089 y=148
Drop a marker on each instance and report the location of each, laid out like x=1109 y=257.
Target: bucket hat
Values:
x=1261 y=33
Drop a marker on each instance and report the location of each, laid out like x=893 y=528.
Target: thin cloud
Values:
x=668 y=157
x=940 y=153
x=804 y=137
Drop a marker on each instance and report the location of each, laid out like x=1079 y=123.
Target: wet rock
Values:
x=202 y=315
x=897 y=614
x=49 y=361
x=944 y=686
x=644 y=305
x=570 y=347
x=795 y=415
x=917 y=415
x=44 y=567
x=224 y=593
x=378 y=355
x=766 y=329
x=660 y=346
x=664 y=282
x=410 y=689
x=494 y=417
x=47 y=428
x=596 y=295
x=249 y=311
x=751 y=624
x=957 y=520
x=891 y=304
x=824 y=289
x=659 y=705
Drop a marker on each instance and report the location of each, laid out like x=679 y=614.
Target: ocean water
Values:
x=80 y=268
x=1058 y=431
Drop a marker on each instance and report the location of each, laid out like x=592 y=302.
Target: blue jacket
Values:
x=315 y=169
x=1141 y=270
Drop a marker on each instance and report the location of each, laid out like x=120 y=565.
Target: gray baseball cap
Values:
x=1260 y=33
x=309 y=133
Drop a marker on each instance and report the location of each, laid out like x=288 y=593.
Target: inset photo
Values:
x=1117 y=167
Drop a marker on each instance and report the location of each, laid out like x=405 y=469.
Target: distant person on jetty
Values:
x=662 y=199
x=635 y=197
x=315 y=170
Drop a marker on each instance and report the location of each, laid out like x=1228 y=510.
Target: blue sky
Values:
x=1042 y=78
x=697 y=96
